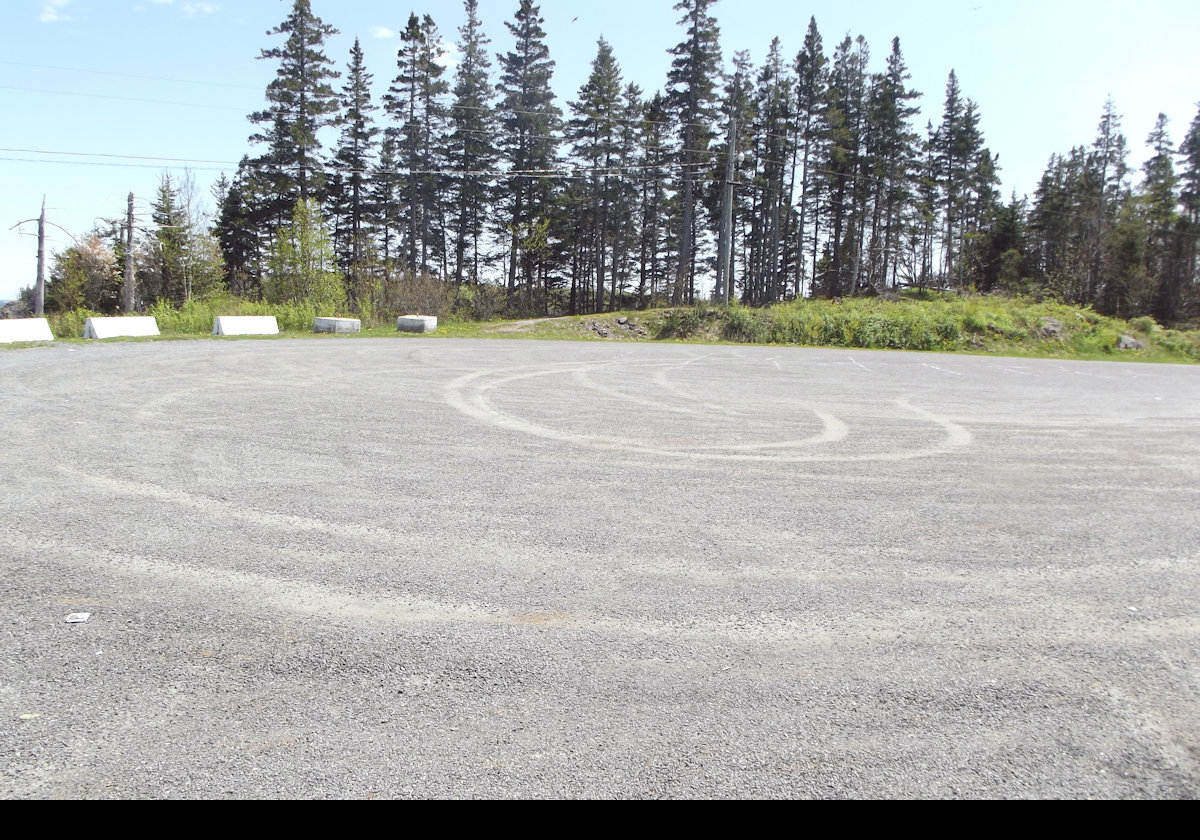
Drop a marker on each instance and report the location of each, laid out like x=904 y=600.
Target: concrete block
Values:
x=118 y=327
x=245 y=325
x=337 y=325
x=416 y=323
x=24 y=329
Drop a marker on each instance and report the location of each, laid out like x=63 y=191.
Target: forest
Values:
x=473 y=191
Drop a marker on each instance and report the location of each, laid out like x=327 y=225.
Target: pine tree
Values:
x=471 y=147
x=1160 y=200
x=893 y=153
x=351 y=165
x=1190 y=197
x=653 y=205
x=1106 y=175
x=595 y=134
x=529 y=121
x=811 y=80
x=237 y=232
x=415 y=101
x=844 y=129
x=300 y=102
x=691 y=93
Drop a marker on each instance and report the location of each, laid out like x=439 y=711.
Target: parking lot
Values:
x=451 y=568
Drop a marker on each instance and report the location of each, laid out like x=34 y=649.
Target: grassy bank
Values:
x=937 y=322
x=947 y=323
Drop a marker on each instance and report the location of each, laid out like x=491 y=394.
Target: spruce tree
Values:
x=351 y=166
x=416 y=101
x=471 y=146
x=300 y=102
x=529 y=122
x=691 y=92
x=595 y=134
x=811 y=79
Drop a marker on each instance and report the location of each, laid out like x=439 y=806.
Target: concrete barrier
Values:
x=416 y=323
x=337 y=325
x=24 y=329
x=136 y=326
x=245 y=325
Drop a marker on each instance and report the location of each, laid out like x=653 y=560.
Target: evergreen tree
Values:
x=1160 y=202
x=529 y=121
x=844 y=118
x=471 y=148
x=653 y=201
x=595 y=134
x=300 y=102
x=893 y=154
x=351 y=166
x=691 y=93
x=237 y=232
x=811 y=80
x=416 y=101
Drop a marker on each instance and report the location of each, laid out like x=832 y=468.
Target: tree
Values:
x=415 y=101
x=85 y=275
x=844 y=129
x=529 y=122
x=893 y=153
x=351 y=165
x=301 y=265
x=1160 y=200
x=691 y=94
x=595 y=133
x=471 y=146
x=811 y=80
x=300 y=102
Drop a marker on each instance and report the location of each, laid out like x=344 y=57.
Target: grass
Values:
x=944 y=322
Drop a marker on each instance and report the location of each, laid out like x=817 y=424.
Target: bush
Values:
x=1144 y=324
x=70 y=324
x=740 y=324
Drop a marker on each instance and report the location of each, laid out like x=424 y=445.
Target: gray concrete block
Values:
x=24 y=329
x=416 y=323
x=337 y=325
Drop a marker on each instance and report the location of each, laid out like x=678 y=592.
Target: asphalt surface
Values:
x=443 y=568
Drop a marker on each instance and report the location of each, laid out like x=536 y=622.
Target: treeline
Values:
x=802 y=177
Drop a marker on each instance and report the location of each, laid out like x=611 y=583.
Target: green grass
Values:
x=944 y=322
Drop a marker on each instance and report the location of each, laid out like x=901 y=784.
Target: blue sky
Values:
x=145 y=80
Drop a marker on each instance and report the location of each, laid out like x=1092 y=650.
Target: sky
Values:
x=102 y=96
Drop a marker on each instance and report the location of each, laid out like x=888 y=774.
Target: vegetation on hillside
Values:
x=802 y=178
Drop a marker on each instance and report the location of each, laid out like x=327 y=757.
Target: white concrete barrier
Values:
x=417 y=323
x=337 y=325
x=24 y=329
x=136 y=326
x=245 y=325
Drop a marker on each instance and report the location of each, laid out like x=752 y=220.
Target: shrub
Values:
x=1144 y=324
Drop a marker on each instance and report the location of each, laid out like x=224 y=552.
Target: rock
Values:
x=1051 y=327
x=1128 y=342
x=622 y=320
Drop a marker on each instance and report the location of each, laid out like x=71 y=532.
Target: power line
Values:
x=127 y=75
x=121 y=98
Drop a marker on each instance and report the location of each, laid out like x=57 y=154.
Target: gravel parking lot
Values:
x=449 y=568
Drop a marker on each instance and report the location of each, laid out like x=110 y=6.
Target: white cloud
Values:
x=51 y=11
x=382 y=32
x=193 y=9
x=449 y=56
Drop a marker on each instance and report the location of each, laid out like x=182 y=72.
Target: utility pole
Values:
x=725 y=242
x=39 y=300
x=129 y=296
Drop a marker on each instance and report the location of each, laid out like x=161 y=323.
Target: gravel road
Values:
x=447 y=568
